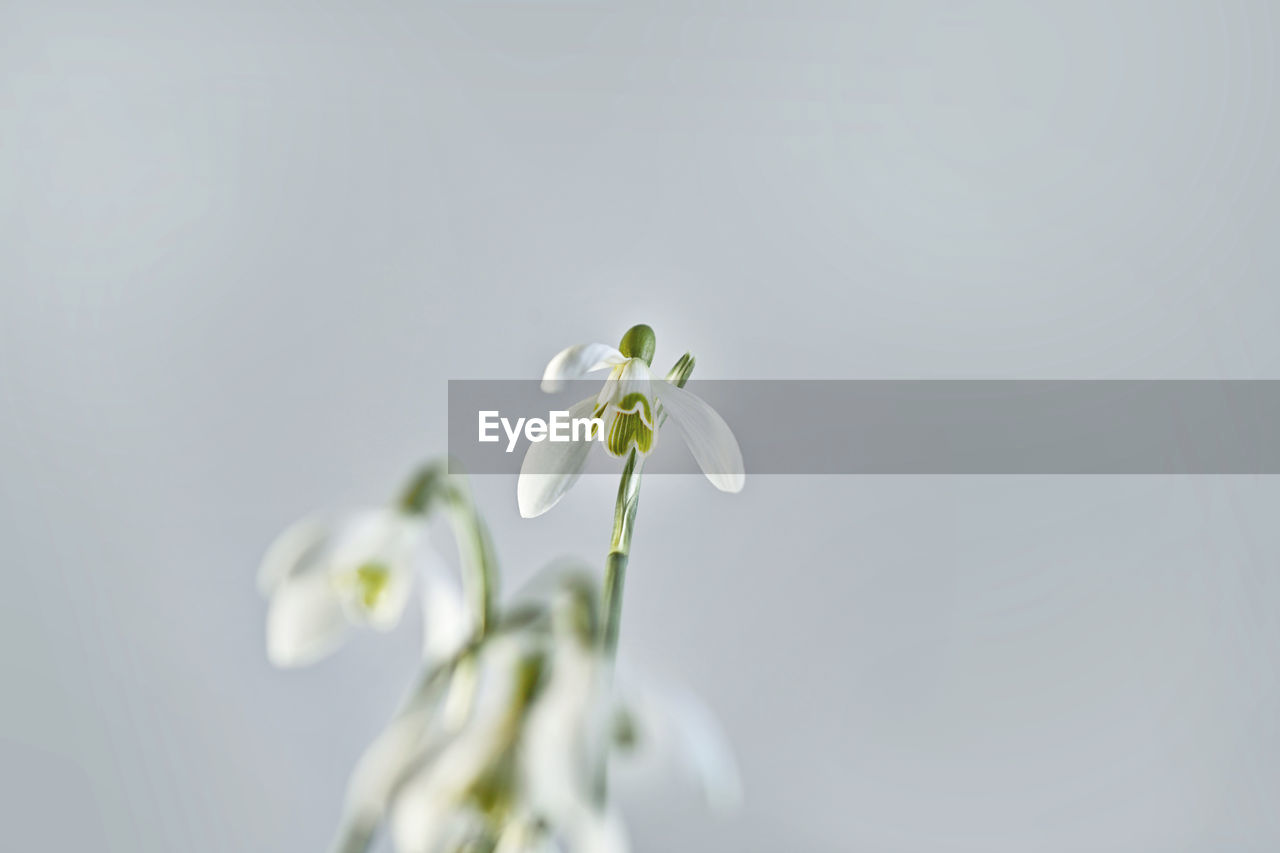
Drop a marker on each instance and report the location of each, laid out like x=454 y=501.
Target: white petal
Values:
x=708 y=436
x=290 y=551
x=672 y=726
x=383 y=537
x=576 y=362
x=551 y=468
x=446 y=622
x=420 y=821
x=599 y=833
x=635 y=377
x=705 y=750
x=382 y=766
x=375 y=535
x=305 y=620
x=609 y=390
x=563 y=734
x=426 y=813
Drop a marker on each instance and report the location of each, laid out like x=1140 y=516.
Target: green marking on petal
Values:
x=626 y=735
x=632 y=426
x=372 y=580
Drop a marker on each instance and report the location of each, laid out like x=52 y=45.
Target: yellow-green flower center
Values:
x=371 y=582
x=632 y=426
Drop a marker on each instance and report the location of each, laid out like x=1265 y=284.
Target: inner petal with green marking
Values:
x=371 y=581
x=632 y=426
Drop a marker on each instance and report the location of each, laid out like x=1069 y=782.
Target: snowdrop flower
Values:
x=324 y=577
x=632 y=406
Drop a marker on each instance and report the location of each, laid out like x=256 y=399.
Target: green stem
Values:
x=475 y=546
x=432 y=485
x=624 y=522
x=615 y=574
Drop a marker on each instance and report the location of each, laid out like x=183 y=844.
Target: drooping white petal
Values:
x=381 y=768
x=291 y=551
x=305 y=620
x=597 y=832
x=550 y=468
x=446 y=622
x=672 y=728
x=426 y=815
x=563 y=736
x=709 y=438
x=705 y=749
x=384 y=541
x=576 y=362
x=377 y=535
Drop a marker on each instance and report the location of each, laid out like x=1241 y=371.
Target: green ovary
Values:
x=633 y=425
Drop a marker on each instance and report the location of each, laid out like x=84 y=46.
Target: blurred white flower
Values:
x=631 y=406
x=458 y=785
x=522 y=769
x=589 y=721
x=323 y=577
x=661 y=730
x=563 y=753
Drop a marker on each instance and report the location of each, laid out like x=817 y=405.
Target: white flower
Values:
x=324 y=577
x=632 y=406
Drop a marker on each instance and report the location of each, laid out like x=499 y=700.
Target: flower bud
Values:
x=680 y=374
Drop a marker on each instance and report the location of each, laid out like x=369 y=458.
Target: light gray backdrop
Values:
x=243 y=245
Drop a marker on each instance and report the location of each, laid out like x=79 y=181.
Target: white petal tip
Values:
x=290 y=658
x=533 y=501
x=731 y=483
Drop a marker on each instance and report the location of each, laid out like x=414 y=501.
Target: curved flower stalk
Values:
x=632 y=405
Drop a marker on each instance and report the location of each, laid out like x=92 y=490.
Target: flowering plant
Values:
x=505 y=742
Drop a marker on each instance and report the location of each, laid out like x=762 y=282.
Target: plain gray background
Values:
x=243 y=245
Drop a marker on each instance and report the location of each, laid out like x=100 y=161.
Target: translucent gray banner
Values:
x=916 y=427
